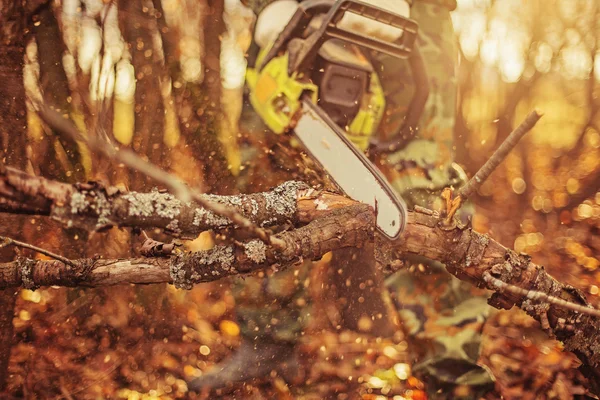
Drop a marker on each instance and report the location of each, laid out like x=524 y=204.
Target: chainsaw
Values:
x=316 y=81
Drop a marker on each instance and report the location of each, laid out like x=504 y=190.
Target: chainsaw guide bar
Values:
x=349 y=168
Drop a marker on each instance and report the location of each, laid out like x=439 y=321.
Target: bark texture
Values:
x=94 y=206
x=469 y=255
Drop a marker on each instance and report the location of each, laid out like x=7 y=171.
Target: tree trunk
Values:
x=13 y=136
x=360 y=292
x=198 y=104
x=138 y=27
x=55 y=88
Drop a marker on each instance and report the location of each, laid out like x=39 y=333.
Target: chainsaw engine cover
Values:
x=342 y=74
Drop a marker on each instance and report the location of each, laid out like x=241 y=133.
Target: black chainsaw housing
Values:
x=342 y=74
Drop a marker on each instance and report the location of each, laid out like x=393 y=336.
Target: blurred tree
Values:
x=137 y=21
x=13 y=131
x=193 y=59
x=55 y=89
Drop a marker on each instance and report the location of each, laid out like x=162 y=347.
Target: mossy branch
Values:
x=344 y=227
x=92 y=206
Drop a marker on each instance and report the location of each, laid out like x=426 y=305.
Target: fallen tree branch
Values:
x=94 y=207
x=333 y=222
x=344 y=227
x=470 y=256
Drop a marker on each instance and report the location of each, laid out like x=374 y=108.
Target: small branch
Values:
x=345 y=227
x=92 y=206
x=469 y=255
x=6 y=241
x=129 y=158
x=452 y=205
x=500 y=286
x=154 y=248
x=499 y=155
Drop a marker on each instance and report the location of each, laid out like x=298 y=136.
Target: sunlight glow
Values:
x=489 y=51
x=71 y=17
x=89 y=45
x=192 y=69
x=113 y=41
x=191 y=64
x=511 y=66
x=576 y=62
x=471 y=35
x=106 y=80
x=125 y=81
x=233 y=63
x=234 y=44
x=93 y=7
x=31 y=71
x=402 y=370
x=543 y=57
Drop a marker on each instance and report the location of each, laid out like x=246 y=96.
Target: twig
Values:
x=452 y=205
x=64 y=390
x=6 y=241
x=175 y=185
x=154 y=248
x=533 y=295
x=499 y=155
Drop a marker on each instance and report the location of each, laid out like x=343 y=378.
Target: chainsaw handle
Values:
x=329 y=29
x=401 y=48
x=296 y=26
x=409 y=127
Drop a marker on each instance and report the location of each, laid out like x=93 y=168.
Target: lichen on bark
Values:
x=190 y=268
